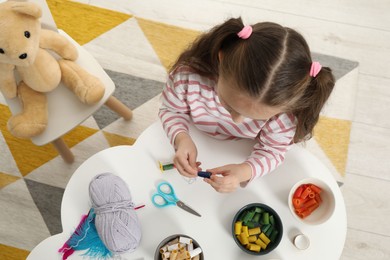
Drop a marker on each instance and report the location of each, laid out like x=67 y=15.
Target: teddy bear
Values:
x=33 y=61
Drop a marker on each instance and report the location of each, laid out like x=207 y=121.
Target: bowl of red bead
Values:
x=311 y=201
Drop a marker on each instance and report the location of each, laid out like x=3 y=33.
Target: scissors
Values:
x=166 y=196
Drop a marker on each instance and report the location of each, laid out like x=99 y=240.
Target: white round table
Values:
x=138 y=166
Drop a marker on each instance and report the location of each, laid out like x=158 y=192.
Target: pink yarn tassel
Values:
x=66 y=249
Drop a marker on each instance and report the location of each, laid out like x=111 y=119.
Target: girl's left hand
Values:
x=227 y=178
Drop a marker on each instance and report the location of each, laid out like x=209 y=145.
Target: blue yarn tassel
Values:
x=86 y=237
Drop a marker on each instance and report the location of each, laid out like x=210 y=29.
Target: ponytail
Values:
x=312 y=102
x=202 y=54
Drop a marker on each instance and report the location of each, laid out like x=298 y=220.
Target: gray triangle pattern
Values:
x=340 y=66
x=130 y=90
x=48 y=201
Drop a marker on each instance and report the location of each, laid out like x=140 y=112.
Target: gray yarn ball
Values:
x=116 y=220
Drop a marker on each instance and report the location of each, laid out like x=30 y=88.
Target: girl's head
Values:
x=263 y=75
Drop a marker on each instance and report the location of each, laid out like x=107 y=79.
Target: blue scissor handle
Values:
x=165 y=195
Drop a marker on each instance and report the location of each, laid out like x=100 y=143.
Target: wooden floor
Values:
x=353 y=29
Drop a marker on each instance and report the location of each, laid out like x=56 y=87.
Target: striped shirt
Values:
x=191 y=98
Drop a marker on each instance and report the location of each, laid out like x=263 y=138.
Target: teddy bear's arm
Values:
x=7 y=80
x=53 y=41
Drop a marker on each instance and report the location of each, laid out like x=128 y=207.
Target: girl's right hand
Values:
x=186 y=154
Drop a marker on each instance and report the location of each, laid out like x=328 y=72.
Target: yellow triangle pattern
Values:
x=27 y=155
x=115 y=140
x=84 y=22
x=78 y=134
x=6 y=179
x=12 y=253
x=35 y=156
x=5 y=114
x=332 y=135
x=167 y=41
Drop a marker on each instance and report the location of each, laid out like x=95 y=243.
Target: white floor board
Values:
x=367 y=203
x=357 y=13
x=324 y=36
x=362 y=245
x=373 y=101
x=369 y=151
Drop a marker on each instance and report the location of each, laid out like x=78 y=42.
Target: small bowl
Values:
x=326 y=207
x=157 y=254
x=277 y=224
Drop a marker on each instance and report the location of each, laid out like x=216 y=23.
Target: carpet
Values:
x=135 y=52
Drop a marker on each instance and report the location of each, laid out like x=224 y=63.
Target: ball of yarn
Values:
x=116 y=220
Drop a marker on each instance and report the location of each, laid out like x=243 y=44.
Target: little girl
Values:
x=239 y=81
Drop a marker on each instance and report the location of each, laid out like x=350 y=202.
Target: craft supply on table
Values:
x=306 y=199
x=311 y=201
x=301 y=242
x=257 y=229
x=166 y=166
x=179 y=247
x=166 y=196
x=204 y=174
x=111 y=226
x=169 y=166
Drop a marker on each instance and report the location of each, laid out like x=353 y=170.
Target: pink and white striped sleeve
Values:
x=274 y=140
x=174 y=111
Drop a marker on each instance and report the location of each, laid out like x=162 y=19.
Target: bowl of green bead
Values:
x=257 y=229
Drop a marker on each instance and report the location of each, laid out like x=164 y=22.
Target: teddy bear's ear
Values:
x=27 y=8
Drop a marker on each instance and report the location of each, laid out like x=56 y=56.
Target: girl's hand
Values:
x=230 y=177
x=185 y=157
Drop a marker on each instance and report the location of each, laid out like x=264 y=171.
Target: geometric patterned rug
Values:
x=135 y=52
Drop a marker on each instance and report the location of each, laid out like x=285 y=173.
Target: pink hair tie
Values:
x=315 y=69
x=245 y=33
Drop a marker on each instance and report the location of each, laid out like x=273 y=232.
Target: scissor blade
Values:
x=182 y=205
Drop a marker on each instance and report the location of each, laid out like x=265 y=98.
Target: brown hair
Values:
x=272 y=65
